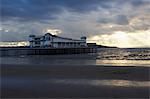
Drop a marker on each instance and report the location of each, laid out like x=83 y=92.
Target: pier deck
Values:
x=15 y=51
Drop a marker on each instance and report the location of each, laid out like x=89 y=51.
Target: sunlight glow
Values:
x=54 y=31
x=123 y=39
x=14 y=44
x=120 y=36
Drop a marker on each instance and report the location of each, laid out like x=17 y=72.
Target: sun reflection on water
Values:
x=124 y=62
x=117 y=83
x=123 y=83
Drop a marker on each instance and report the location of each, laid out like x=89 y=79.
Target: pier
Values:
x=17 y=51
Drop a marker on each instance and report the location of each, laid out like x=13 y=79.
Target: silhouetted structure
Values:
x=53 y=41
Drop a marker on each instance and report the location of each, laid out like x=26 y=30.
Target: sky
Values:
x=121 y=23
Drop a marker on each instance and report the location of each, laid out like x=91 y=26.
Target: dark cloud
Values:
x=138 y=3
x=45 y=9
x=28 y=10
x=25 y=10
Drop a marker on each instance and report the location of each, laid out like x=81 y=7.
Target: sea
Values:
x=124 y=74
x=103 y=57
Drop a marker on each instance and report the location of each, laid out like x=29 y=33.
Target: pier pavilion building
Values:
x=54 y=41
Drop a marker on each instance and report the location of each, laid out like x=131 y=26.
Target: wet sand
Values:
x=37 y=81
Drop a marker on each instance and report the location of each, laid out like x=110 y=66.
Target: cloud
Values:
x=139 y=2
x=29 y=10
x=118 y=19
x=121 y=20
x=74 y=18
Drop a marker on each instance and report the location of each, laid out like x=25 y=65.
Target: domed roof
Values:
x=48 y=34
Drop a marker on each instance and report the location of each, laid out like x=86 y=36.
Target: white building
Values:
x=49 y=40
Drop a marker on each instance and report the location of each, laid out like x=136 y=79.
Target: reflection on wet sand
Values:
x=124 y=62
x=119 y=83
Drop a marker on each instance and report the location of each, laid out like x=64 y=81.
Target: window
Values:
x=37 y=38
x=48 y=38
x=37 y=42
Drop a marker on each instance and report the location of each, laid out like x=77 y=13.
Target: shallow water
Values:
x=59 y=87
x=107 y=57
x=96 y=82
x=17 y=82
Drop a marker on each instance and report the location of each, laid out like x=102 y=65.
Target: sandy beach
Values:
x=37 y=81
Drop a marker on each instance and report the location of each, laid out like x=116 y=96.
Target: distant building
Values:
x=92 y=45
x=49 y=40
